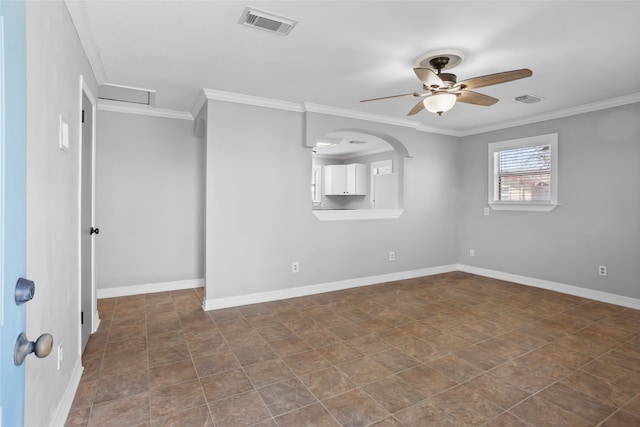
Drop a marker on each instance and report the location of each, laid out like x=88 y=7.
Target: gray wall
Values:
x=55 y=61
x=598 y=222
x=149 y=200
x=259 y=218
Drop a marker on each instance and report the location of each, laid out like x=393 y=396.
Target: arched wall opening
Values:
x=356 y=169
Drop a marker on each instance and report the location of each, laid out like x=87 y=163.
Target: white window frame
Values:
x=541 y=206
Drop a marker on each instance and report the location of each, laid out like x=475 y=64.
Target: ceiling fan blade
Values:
x=475 y=98
x=494 y=79
x=392 y=96
x=428 y=77
x=417 y=108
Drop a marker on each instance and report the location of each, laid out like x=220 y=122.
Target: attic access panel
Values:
x=128 y=94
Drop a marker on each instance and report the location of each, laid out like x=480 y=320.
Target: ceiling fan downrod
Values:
x=439 y=63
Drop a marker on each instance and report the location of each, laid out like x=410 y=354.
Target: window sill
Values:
x=357 y=214
x=531 y=207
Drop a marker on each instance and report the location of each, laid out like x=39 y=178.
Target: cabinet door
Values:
x=335 y=180
x=356 y=179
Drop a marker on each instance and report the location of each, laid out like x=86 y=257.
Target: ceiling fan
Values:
x=441 y=90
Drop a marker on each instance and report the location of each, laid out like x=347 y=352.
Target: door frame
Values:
x=376 y=165
x=94 y=318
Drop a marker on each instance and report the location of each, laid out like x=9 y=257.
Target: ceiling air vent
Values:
x=528 y=99
x=266 y=21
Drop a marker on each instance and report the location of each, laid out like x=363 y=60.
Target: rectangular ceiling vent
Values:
x=266 y=21
x=528 y=99
x=128 y=94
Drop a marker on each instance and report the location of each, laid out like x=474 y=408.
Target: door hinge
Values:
x=82 y=317
x=82 y=116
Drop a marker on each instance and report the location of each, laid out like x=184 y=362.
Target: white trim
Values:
x=554 y=286
x=257 y=101
x=145 y=110
x=61 y=412
x=298 y=107
x=551 y=140
x=342 y=112
x=149 y=288
x=200 y=101
x=217 y=303
x=95 y=320
x=280 y=294
x=357 y=214
x=129 y=87
x=517 y=206
x=567 y=112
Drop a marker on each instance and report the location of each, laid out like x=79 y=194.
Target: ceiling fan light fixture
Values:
x=439 y=102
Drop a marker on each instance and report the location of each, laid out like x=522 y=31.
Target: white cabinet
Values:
x=345 y=180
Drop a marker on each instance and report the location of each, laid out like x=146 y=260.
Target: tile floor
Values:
x=447 y=350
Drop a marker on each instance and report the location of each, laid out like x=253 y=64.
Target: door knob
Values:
x=94 y=231
x=40 y=347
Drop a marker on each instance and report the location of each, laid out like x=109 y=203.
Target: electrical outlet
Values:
x=472 y=252
x=295 y=267
x=392 y=256
x=602 y=270
x=60 y=354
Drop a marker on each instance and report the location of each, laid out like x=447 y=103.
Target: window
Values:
x=523 y=174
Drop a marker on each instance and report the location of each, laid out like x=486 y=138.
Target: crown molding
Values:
x=377 y=118
x=201 y=99
x=566 y=112
x=219 y=95
x=257 y=101
x=352 y=114
x=145 y=110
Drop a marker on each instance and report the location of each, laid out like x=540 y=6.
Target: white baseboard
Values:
x=217 y=303
x=235 y=301
x=554 y=286
x=149 y=288
x=60 y=414
x=95 y=324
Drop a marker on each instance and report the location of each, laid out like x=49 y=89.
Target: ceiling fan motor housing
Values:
x=448 y=78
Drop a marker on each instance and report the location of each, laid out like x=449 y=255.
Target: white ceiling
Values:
x=584 y=54
x=350 y=144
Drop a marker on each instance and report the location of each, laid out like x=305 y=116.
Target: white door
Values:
x=381 y=167
x=87 y=230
